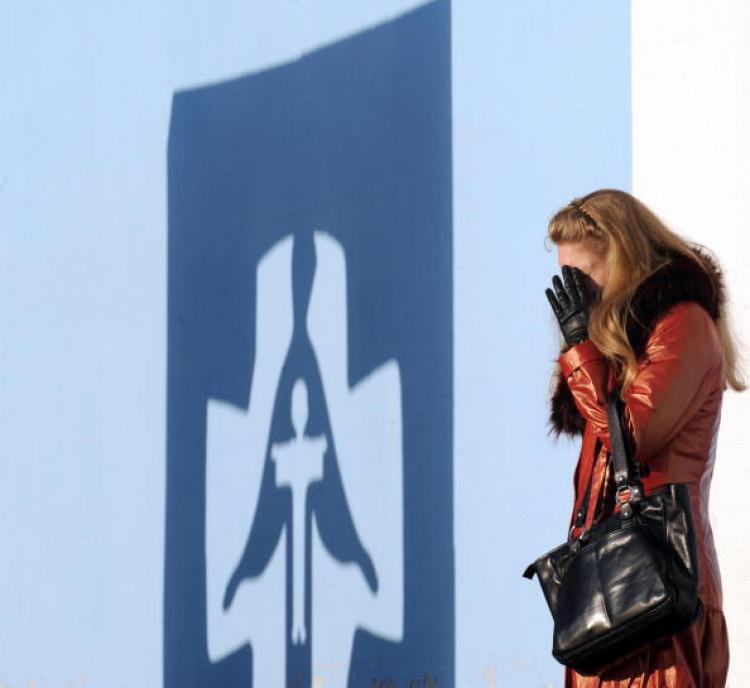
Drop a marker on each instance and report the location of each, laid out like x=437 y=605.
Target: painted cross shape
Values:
x=356 y=581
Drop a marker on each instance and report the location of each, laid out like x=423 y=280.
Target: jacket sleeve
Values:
x=682 y=349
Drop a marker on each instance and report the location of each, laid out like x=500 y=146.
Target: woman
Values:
x=651 y=321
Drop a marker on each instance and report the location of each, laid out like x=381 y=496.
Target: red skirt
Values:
x=697 y=657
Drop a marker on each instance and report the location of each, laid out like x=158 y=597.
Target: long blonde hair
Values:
x=636 y=243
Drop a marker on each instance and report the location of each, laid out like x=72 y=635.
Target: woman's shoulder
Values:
x=687 y=327
x=687 y=315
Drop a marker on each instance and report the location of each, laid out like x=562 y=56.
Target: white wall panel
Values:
x=691 y=164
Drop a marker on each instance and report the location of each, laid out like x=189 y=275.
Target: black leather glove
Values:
x=570 y=304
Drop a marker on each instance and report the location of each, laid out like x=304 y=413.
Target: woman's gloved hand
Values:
x=570 y=304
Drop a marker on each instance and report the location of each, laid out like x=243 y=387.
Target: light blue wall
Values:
x=540 y=112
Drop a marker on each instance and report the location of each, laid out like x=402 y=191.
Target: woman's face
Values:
x=579 y=255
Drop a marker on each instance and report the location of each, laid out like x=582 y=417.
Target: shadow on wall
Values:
x=309 y=496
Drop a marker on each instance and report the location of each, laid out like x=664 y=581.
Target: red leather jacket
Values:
x=672 y=411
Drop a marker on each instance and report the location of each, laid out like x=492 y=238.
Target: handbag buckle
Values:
x=627 y=495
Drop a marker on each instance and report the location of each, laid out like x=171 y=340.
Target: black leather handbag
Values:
x=627 y=581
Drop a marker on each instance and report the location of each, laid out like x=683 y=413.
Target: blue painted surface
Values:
x=355 y=140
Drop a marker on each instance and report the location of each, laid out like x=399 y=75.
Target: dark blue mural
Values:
x=309 y=410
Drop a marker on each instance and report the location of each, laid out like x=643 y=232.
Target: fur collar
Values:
x=682 y=279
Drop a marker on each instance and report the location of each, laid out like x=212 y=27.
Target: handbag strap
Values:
x=626 y=470
x=582 y=512
x=616 y=441
x=626 y=475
